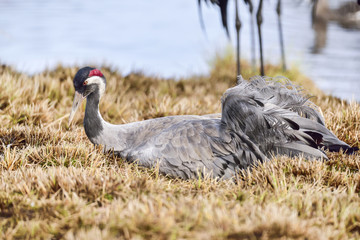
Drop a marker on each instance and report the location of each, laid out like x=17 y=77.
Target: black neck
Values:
x=93 y=123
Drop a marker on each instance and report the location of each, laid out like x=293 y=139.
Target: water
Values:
x=165 y=38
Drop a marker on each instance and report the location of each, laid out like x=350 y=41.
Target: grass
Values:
x=54 y=184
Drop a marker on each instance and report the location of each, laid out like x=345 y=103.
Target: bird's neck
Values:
x=98 y=130
x=93 y=122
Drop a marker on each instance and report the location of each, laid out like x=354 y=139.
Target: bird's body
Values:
x=259 y=118
x=183 y=146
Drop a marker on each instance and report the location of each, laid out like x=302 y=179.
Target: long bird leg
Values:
x=252 y=35
x=278 y=11
x=202 y=24
x=253 y=57
x=259 y=22
x=238 y=26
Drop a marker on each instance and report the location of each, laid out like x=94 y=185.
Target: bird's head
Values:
x=87 y=80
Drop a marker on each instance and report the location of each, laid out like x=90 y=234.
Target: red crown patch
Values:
x=95 y=72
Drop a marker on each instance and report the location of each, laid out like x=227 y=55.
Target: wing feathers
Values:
x=273 y=115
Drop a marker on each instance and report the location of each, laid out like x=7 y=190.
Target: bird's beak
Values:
x=78 y=98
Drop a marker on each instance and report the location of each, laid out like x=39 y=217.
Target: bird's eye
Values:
x=85 y=82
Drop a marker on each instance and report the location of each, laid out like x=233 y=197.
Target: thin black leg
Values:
x=278 y=11
x=252 y=35
x=202 y=24
x=238 y=26
x=259 y=22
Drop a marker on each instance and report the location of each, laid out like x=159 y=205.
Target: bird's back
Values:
x=193 y=147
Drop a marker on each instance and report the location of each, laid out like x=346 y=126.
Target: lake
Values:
x=165 y=38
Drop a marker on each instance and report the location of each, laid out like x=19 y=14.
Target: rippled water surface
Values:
x=165 y=38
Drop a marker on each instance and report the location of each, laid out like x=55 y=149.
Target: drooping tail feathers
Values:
x=277 y=117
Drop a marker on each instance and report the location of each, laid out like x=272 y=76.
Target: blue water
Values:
x=165 y=38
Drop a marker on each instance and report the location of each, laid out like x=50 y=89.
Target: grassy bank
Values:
x=54 y=184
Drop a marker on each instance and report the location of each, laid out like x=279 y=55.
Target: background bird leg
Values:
x=252 y=35
x=259 y=22
x=238 y=26
x=278 y=11
x=202 y=24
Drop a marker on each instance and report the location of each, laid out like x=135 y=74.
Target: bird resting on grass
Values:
x=259 y=119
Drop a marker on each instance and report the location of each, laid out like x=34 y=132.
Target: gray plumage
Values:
x=259 y=119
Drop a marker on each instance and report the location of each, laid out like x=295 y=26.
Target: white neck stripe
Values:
x=98 y=81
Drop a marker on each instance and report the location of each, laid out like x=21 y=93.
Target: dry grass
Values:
x=54 y=184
